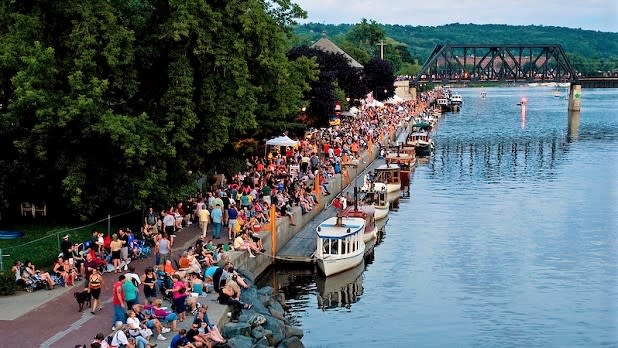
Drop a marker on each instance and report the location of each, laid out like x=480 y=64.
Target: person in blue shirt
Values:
x=217 y=221
x=181 y=341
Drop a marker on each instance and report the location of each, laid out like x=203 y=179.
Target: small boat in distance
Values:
x=456 y=99
x=340 y=244
x=483 y=95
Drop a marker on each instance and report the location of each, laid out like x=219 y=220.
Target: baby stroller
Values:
x=140 y=249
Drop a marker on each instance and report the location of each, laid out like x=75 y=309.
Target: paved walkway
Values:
x=50 y=318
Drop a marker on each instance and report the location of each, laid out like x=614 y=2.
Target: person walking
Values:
x=204 y=217
x=118 y=302
x=217 y=221
x=95 y=282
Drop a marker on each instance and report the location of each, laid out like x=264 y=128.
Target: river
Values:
x=509 y=238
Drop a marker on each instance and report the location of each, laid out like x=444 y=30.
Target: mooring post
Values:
x=575 y=94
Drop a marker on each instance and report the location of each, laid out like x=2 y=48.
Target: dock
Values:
x=301 y=247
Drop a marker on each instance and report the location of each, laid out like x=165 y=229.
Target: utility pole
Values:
x=381 y=44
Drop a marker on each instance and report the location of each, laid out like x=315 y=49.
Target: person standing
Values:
x=151 y=219
x=95 y=283
x=217 y=221
x=66 y=247
x=123 y=236
x=130 y=292
x=232 y=213
x=118 y=301
x=169 y=222
x=204 y=218
x=163 y=249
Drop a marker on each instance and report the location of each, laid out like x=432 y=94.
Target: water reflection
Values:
x=340 y=290
x=573 y=123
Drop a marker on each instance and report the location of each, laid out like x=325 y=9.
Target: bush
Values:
x=8 y=286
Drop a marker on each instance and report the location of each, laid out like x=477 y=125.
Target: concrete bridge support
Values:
x=575 y=93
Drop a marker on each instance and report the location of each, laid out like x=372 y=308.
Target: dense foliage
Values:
x=122 y=103
x=589 y=51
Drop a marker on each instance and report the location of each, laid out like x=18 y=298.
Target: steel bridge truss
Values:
x=500 y=63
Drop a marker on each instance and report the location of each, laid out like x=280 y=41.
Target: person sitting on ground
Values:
x=162 y=314
x=229 y=294
x=151 y=322
x=194 y=337
x=242 y=243
x=138 y=330
x=99 y=339
x=181 y=341
x=169 y=268
x=206 y=327
x=230 y=273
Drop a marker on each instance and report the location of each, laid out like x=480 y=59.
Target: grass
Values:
x=41 y=242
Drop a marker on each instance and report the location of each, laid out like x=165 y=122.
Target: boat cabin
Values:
x=339 y=236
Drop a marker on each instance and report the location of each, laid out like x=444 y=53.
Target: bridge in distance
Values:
x=521 y=63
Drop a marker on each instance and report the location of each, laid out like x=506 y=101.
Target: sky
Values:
x=601 y=15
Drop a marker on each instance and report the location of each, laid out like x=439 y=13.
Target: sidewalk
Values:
x=50 y=318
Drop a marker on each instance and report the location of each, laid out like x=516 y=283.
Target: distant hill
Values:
x=421 y=40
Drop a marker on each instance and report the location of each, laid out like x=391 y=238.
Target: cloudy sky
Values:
x=587 y=14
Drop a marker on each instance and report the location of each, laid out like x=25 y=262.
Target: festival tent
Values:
x=283 y=140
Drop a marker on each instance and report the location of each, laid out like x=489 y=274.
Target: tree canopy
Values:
x=122 y=103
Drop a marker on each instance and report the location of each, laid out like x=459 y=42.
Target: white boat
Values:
x=379 y=200
x=367 y=213
x=340 y=244
x=456 y=99
x=390 y=175
x=483 y=95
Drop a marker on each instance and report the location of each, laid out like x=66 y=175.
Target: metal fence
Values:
x=44 y=250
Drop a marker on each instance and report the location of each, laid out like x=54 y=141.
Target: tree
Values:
x=380 y=78
x=334 y=71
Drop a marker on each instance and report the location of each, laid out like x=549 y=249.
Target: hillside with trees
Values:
x=589 y=51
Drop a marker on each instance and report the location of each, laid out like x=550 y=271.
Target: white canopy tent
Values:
x=283 y=140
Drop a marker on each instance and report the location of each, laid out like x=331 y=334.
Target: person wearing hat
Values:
x=66 y=246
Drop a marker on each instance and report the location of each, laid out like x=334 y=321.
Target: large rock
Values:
x=257 y=332
x=292 y=342
x=256 y=320
x=277 y=327
x=277 y=307
x=240 y=342
x=277 y=314
x=293 y=331
x=267 y=290
x=261 y=343
x=236 y=329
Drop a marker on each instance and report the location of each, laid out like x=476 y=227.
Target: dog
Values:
x=83 y=298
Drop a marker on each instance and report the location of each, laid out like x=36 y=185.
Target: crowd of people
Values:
x=236 y=208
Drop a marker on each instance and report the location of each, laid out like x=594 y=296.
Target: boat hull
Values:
x=381 y=213
x=369 y=235
x=332 y=264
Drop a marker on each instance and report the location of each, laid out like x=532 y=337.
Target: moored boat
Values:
x=420 y=140
x=390 y=175
x=340 y=244
x=367 y=213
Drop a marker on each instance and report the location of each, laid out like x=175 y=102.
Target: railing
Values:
x=44 y=250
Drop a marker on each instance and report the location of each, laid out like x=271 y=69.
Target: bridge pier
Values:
x=575 y=93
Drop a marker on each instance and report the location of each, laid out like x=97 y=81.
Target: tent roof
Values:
x=326 y=45
x=283 y=140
